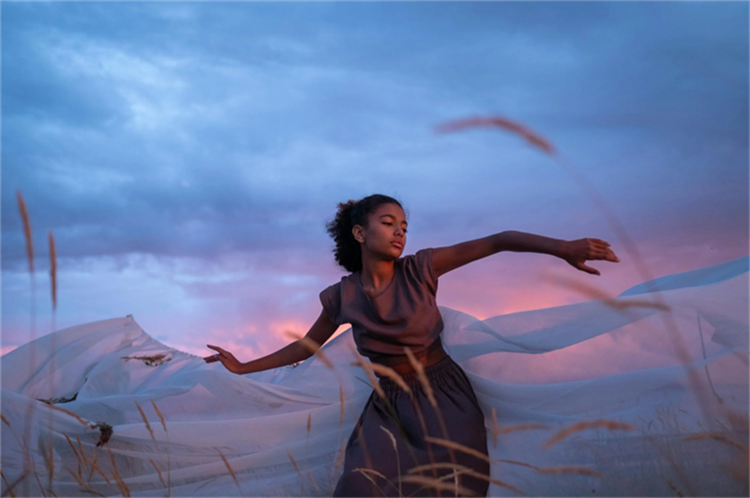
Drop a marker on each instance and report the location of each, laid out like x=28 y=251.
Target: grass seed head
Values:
x=145 y=421
x=423 y=380
x=53 y=269
x=161 y=417
x=26 y=230
x=611 y=425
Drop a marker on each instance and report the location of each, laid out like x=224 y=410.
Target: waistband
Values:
x=393 y=360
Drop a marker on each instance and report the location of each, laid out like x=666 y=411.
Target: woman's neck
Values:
x=376 y=275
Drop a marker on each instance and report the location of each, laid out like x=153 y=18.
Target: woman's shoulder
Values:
x=419 y=266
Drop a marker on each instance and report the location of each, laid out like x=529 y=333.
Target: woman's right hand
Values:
x=226 y=358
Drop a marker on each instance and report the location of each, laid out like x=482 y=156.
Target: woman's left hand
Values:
x=577 y=252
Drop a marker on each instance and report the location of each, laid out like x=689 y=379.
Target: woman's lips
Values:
x=397 y=244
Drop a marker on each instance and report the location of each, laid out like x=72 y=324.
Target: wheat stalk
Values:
x=368 y=369
x=718 y=437
x=385 y=371
x=296 y=467
x=398 y=460
x=83 y=453
x=15 y=483
x=95 y=466
x=462 y=469
x=7 y=485
x=229 y=468
x=582 y=426
x=145 y=421
x=563 y=469
x=82 y=483
x=74 y=415
x=313 y=347
x=315 y=485
x=53 y=269
x=438 y=485
x=419 y=369
x=457 y=446
x=366 y=472
x=50 y=463
x=123 y=487
x=161 y=417
x=496 y=431
x=530 y=136
x=26 y=230
x=341 y=397
x=341 y=456
x=158 y=471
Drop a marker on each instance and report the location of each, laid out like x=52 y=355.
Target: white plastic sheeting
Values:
x=281 y=432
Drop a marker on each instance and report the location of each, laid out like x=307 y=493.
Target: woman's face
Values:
x=385 y=233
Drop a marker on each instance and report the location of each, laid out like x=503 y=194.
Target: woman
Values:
x=390 y=303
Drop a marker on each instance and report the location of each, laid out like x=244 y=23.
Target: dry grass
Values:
x=341 y=456
x=498 y=431
x=145 y=421
x=116 y=474
x=49 y=462
x=370 y=373
x=296 y=468
x=84 y=458
x=458 y=447
x=158 y=414
x=5 y=481
x=718 y=437
x=158 y=471
x=610 y=425
x=438 y=485
x=463 y=470
x=53 y=269
x=315 y=485
x=85 y=487
x=368 y=473
x=388 y=372
x=533 y=138
x=312 y=347
x=419 y=369
x=341 y=398
x=26 y=230
x=230 y=469
x=398 y=460
x=74 y=415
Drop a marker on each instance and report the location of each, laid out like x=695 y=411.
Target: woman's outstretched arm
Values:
x=320 y=332
x=575 y=252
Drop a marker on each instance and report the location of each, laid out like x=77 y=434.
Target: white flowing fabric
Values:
x=281 y=432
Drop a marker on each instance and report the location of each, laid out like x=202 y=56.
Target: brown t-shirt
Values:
x=404 y=314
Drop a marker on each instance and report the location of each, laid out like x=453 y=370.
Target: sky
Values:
x=186 y=156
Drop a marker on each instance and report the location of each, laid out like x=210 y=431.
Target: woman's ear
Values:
x=359 y=233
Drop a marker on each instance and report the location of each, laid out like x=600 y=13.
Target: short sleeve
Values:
x=425 y=270
x=330 y=298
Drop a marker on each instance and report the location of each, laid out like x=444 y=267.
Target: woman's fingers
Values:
x=212 y=358
x=221 y=351
x=588 y=269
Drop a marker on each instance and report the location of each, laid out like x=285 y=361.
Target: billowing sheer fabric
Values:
x=641 y=418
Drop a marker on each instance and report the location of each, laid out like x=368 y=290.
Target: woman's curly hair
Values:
x=347 y=251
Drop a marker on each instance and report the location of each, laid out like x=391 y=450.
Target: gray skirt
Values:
x=409 y=419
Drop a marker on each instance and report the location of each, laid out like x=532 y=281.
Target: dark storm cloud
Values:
x=195 y=129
